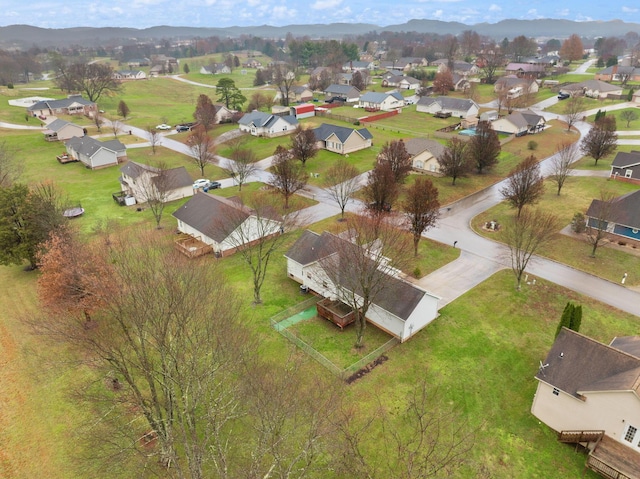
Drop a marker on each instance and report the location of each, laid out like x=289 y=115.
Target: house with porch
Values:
x=259 y=123
x=96 y=154
x=513 y=86
x=626 y=167
x=124 y=75
x=215 y=69
x=620 y=218
x=526 y=70
x=346 y=93
x=519 y=123
x=72 y=105
x=341 y=139
x=424 y=154
x=619 y=73
x=597 y=89
x=222 y=225
x=62 y=130
x=458 y=107
x=401 y=309
x=402 y=82
x=144 y=182
x=381 y=101
x=589 y=393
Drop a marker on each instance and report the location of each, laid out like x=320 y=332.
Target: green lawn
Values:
x=620 y=123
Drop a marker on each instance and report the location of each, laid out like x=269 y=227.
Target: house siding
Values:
x=425 y=162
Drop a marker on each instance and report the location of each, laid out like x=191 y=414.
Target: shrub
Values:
x=578 y=223
x=357 y=122
x=417 y=273
x=10 y=86
x=532 y=145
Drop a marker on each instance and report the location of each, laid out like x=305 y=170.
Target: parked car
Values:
x=213 y=185
x=163 y=126
x=181 y=128
x=563 y=96
x=201 y=183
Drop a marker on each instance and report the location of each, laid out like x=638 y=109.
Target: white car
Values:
x=163 y=126
x=201 y=183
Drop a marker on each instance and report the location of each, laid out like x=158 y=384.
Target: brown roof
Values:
x=213 y=216
x=577 y=364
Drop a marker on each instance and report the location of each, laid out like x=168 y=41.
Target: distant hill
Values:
x=25 y=36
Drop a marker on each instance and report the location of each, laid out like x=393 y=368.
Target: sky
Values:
x=225 y=13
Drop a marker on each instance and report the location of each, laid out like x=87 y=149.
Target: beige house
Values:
x=96 y=154
x=145 y=182
x=341 y=139
x=589 y=393
x=61 y=130
x=597 y=89
x=424 y=154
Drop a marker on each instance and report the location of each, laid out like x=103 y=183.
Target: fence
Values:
x=381 y=116
x=279 y=323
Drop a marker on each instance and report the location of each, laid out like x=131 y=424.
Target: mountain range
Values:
x=25 y=36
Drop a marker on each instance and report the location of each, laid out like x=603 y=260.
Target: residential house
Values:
x=138 y=62
x=593 y=89
x=224 y=224
x=215 y=69
x=344 y=78
x=464 y=69
x=618 y=73
x=402 y=82
x=589 y=393
x=264 y=124
x=626 y=166
x=519 y=123
x=317 y=72
x=224 y=114
x=341 y=139
x=252 y=63
x=124 y=75
x=61 y=130
x=156 y=70
x=168 y=64
x=381 y=101
x=460 y=82
x=345 y=93
x=297 y=94
x=458 y=107
x=514 y=87
x=620 y=218
x=72 y=105
x=401 y=309
x=144 y=182
x=392 y=73
x=425 y=154
x=96 y=154
x=354 y=66
x=526 y=70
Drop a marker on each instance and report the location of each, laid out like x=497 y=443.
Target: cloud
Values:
x=564 y=12
x=439 y=1
x=495 y=8
x=438 y=14
x=325 y=4
x=629 y=10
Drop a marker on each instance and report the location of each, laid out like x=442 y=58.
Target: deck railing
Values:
x=580 y=436
x=605 y=469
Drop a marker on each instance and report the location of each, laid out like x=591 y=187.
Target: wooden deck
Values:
x=614 y=460
x=192 y=247
x=66 y=158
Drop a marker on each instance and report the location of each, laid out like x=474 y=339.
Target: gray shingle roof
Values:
x=55 y=104
x=336 y=89
x=577 y=364
x=58 y=124
x=447 y=103
x=176 y=177
x=265 y=120
x=625 y=210
x=626 y=159
x=89 y=146
x=415 y=146
x=325 y=130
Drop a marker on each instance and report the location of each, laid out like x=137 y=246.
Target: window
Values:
x=324 y=284
x=556 y=392
x=630 y=434
x=309 y=275
x=627 y=173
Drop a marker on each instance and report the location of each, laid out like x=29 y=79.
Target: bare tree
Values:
x=525 y=184
x=602 y=139
x=93 y=79
x=381 y=190
x=341 y=182
x=304 y=144
x=601 y=214
x=491 y=59
x=202 y=146
x=255 y=229
x=525 y=235
x=154 y=138
x=284 y=77
x=242 y=165
x=154 y=186
x=455 y=162
x=10 y=169
x=98 y=120
x=628 y=116
x=116 y=125
x=421 y=208
x=484 y=147
x=364 y=267
x=562 y=163
x=573 y=110
x=395 y=154
x=288 y=176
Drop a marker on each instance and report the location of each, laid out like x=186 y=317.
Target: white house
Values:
x=224 y=224
x=589 y=393
x=381 y=101
x=402 y=309
x=519 y=123
x=144 y=182
x=458 y=107
x=96 y=154
x=124 y=75
x=264 y=124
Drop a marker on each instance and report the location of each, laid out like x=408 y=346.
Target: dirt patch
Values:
x=367 y=369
